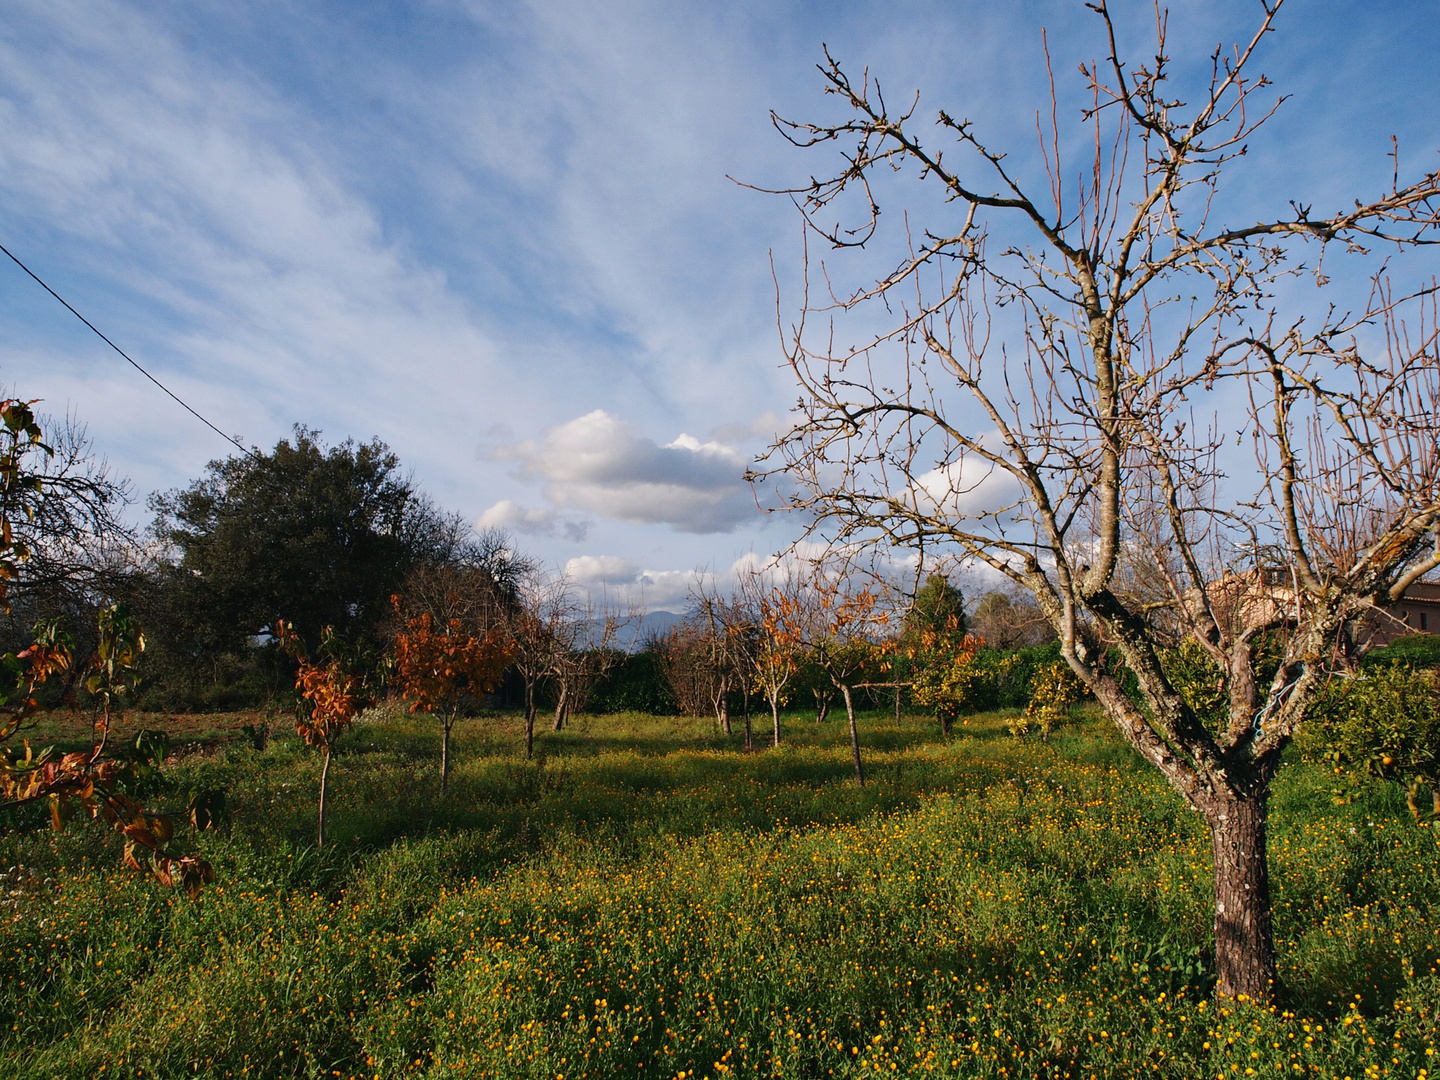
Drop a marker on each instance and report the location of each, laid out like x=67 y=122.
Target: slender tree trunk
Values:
x=446 y=724
x=324 y=781
x=775 y=718
x=822 y=708
x=1412 y=800
x=561 y=710
x=1244 y=939
x=897 y=706
x=854 y=736
x=745 y=701
x=946 y=719
x=725 y=714
x=529 y=720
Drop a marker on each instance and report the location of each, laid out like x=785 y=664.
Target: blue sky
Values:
x=500 y=236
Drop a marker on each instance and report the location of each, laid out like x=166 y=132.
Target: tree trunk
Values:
x=1244 y=940
x=897 y=706
x=822 y=708
x=854 y=736
x=725 y=714
x=775 y=718
x=561 y=707
x=1412 y=800
x=946 y=719
x=529 y=720
x=445 y=725
x=745 y=701
x=324 y=780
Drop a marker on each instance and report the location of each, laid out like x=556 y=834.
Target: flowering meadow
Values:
x=647 y=900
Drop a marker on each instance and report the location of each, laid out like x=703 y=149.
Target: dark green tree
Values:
x=936 y=602
x=318 y=536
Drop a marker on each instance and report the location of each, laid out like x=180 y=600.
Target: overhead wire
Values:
x=172 y=395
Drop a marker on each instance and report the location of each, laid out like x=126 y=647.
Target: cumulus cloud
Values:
x=600 y=463
x=623 y=580
x=968 y=488
x=532 y=521
x=589 y=571
x=665 y=590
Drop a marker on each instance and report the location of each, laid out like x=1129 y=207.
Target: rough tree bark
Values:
x=1244 y=941
x=562 y=703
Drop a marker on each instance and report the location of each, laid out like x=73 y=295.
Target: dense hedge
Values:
x=636 y=683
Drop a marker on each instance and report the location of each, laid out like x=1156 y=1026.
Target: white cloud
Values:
x=665 y=590
x=532 y=521
x=599 y=463
x=623 y=581
x=591 y=571
x=968 y=488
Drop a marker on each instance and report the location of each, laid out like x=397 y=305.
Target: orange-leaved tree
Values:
x=778 y=612
x=437 y=668
x=847 y=641
x=94 y=781
x=333 y=693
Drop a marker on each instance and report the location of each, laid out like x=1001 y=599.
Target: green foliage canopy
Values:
x=319 y=536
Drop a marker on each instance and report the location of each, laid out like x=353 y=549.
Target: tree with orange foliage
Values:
x=90 y=781
x=332 y=694
x=436 y=669
x=778 y=611
x=845 y=637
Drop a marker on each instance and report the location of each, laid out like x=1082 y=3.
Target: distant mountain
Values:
x=633 y=638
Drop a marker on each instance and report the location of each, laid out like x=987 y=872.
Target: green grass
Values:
x=647 y=900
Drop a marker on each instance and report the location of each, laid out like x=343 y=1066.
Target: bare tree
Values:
x=681 y=652
x=535 y=623
x=742 y=645
x=729 y=639
x=1010 y=622
x=1063 y=373
x=585 y=640
x=477 y=581
x=694 y=657
x=77 y=551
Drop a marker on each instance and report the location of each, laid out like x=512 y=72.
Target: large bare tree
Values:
x=1155 y=420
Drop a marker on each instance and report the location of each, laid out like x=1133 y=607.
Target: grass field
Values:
x=647 y=900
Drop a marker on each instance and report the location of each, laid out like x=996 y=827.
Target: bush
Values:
x=1417 y=650
x=636 y=684
x=1054 y=689
x=1384 y=724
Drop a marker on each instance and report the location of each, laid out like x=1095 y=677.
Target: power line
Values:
x=173 y=396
